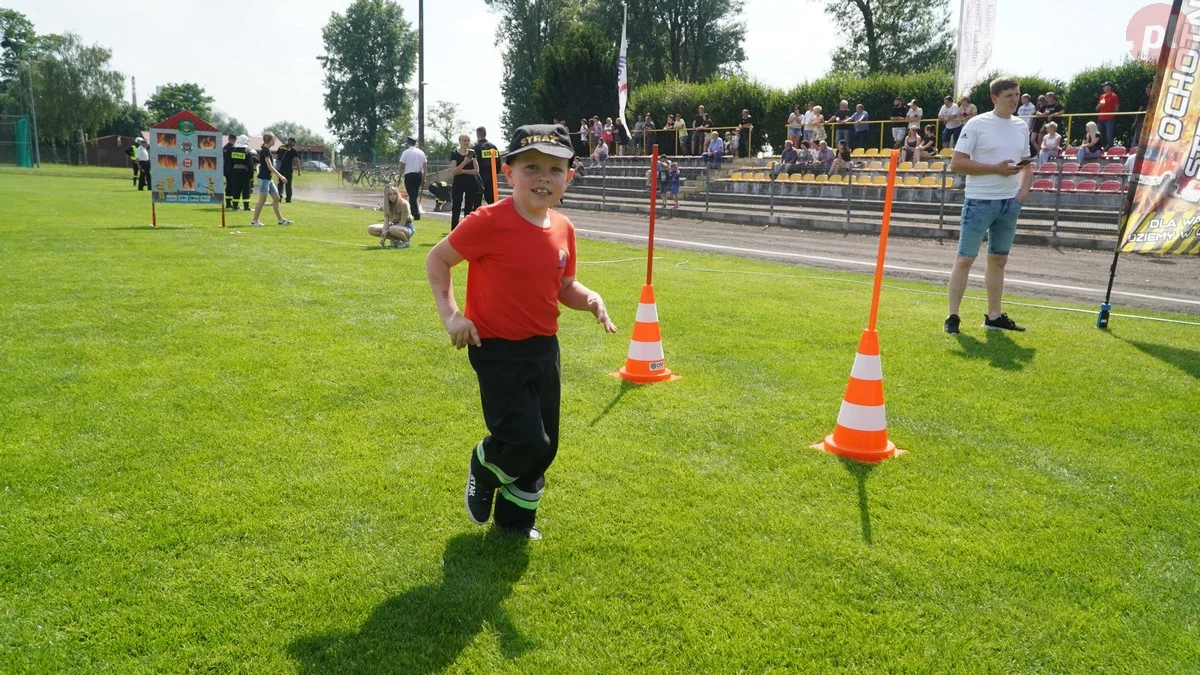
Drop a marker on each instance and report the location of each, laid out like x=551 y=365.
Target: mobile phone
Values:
x=1025 y=161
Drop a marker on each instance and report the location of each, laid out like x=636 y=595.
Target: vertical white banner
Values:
x=623 y=74
x=976 y=31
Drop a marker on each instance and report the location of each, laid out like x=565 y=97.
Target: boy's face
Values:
x=538 y=180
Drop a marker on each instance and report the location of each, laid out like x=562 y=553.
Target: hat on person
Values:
x=411 y=139
x=242 y=141
x=550 y=139
x=913 y=102
x=291 y=139
x=1108 y=83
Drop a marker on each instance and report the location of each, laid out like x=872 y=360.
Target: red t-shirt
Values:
x=515 y=270
x=1109 y=103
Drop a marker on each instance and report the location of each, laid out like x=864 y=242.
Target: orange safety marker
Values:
x=495 y=179
x=861 y=431
x=645 y=362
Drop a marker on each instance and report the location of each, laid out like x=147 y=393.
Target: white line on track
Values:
x=900 y=268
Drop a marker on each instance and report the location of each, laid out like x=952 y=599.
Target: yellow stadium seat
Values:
x=921 y=166
x=879 y=180
x=736 y=175
x=761 y=176
x=910 y=181
x=857 y=152
x=875 y=166
x=837 y=179
x=949 y=182
x=905 y=166
x=937 y=166
x=929 y=181
x=872 y=152
x=796 y=177
x=808 y=178
x=946 y=152
x=822 y=178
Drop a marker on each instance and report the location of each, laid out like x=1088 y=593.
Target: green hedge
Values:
x=725 y=99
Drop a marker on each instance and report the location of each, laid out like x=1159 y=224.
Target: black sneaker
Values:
x=480 y=492
x=1001 y=322
x=951 y=325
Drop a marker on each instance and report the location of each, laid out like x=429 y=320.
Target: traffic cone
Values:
x=861 y=431
x=645 y=362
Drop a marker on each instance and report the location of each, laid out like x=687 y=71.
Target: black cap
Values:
x=551 y=139
x=291 y=139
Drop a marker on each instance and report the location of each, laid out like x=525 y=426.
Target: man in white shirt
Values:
x=143 y=160
x=809 y=129
x=412 y=168
x=951 y=122
x=914 y=115
x=990 y=154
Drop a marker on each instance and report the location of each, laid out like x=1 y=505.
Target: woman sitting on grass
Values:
x=397 y=226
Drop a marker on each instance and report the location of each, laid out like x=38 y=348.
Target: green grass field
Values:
x=244 y=450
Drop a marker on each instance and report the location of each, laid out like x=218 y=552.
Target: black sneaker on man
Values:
x=1001 y=322
x=480 y=492
x=951 y=325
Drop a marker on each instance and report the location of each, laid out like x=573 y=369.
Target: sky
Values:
x=258 y=59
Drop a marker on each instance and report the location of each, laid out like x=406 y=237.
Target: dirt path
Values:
x=1146 y=282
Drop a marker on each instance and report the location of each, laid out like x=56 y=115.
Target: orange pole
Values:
x=153 y=215
x=495 y=180
x=653 y=201
x=883 y=237
x=222 y=213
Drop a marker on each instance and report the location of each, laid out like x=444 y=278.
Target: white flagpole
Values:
x=623 y=72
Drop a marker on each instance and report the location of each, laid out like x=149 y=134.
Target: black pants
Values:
x=519 y=386
x=136 y=170
x=744 y=143
x=464 y=193
x=286 y=186
x=239 y=185
x=144 y=175
x=412 y=186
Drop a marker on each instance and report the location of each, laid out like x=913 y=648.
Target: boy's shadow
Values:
x=424 y=629
x=999 y=348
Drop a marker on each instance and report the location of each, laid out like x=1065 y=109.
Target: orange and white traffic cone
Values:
x=861 y=431
x=645 y=362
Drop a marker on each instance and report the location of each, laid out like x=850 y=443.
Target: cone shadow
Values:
x=998 y=348
x=625 y=387
x=424 y=629
x=860 y=471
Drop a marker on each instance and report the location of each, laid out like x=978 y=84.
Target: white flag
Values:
x=976 y=30
x=623 y=75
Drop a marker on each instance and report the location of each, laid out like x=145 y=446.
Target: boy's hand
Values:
x=462 y=331
x=596 y=306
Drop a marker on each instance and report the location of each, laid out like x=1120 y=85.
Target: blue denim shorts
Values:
x=996 y=218
x=267 y=186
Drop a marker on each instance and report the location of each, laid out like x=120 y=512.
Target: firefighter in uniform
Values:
x=227 y=167
x=485 y=151
x=288 y=159
x=131 y=151
x=241 y=172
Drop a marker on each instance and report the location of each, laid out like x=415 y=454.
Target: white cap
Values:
x=242 y=141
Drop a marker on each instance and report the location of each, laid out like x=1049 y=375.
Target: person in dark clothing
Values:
x=485 y=152
x=288 y=159
x=241 y=174
x=131 y=151
x=465 y=188
x=744 y=127
x=143 y=160
x=227 y=169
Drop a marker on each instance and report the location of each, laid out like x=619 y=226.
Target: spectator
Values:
x=1109 y=103
x=899 y=127
x=804 y=156
x=841 y=160
x=818 y=123
x=649 y=133
x=1051 y=145
x=789 y=155
x=142 y=154
x=744 y=127
x=731 y=141
x=1027 y=109
x=620 y=136
x=795 y=126
x=966 y=109
x=716 y=149
x=809 y=130
x=607 y=134
x=841 y=122
x=672 y=183
x=910 y=151
x=861 y=128
x=951 y=118
x=681 y=135
x=597 y=132
x=929 y=141
x=600 y=154
x=466 y=184
x=824 y=156
x=1053 y=110
x=585 y=131
x=700 y=132
x=1093 y=143
x=914 y=115
x=638 y=136
x=1137 y=119
x=1038 y=122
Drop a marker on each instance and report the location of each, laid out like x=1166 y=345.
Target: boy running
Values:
x=521 y=265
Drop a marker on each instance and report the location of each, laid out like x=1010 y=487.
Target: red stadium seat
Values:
x=1115 y=152
x=1070 y=167
x=1067 y=185
x=1086 y=186
x=1070 y=152
x=1114 y=169
x=1043 y=185
x=1048 y=168
x=1110 y=186
x=1090 y=167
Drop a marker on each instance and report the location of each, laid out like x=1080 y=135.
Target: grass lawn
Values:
x=244 y=449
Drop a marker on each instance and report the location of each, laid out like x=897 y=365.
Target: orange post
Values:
x=861 y=430
x=153 y=215
x=222 y=213
x=653 y=202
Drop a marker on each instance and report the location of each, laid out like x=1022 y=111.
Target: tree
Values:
x=17 y=32
x=577 y=76
x=175 y=97
x=444 y=120
x=227 y=124
x=130 y=121
x=303 y=135
x=75 y=91
x=526 y=29
x=370 y=53
x=892 y=36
